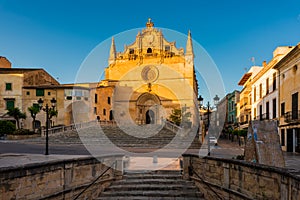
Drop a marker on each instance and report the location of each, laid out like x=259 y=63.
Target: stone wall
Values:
x=59 y=179
x=221 y=178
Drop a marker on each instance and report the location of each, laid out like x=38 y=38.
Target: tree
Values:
x=6 y=127
x=17 y=115
x=179 y=116
x=33 y=111
x=52 y=113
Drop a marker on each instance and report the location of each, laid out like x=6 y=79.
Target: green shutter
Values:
x=8 y=86
x=10 y=104
x=39 y=92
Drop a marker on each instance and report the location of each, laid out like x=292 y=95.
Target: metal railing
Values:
x=265 y=116
x=292 y=117
x=92 y=183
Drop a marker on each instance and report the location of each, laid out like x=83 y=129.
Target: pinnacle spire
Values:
x=112 y=52
x=189 y=45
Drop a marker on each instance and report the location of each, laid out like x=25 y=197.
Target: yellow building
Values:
x=244 y=104
x=289 y=88
x=150 y=78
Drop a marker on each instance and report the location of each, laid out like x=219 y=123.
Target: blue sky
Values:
x=58 y=35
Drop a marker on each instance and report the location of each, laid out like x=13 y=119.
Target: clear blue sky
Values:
x=58 y=35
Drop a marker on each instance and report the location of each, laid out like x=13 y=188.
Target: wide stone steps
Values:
x=114 y=135
x=152 y=185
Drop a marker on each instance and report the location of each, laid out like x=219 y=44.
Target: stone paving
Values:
x=69 y=140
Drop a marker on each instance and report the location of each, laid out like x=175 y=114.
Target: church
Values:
x=148 y=80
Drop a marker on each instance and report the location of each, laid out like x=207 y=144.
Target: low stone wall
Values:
x=59 y=179
x=219 y=178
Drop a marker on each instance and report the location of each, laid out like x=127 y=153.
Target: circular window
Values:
x=150 y=74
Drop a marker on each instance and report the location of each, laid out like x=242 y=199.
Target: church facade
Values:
x=149 y=79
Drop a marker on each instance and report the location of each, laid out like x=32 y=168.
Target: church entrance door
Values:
x=150 y=117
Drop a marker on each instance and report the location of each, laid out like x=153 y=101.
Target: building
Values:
x=23 y=87
x=232 y=99
x=264 y=90
x=289 y=88
x=150 y=78
x=244 y=104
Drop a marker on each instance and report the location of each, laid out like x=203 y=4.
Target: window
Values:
x=274 y=81
x=260 y=91
x=78 y=93
x=95 y=110
x=254 y=94
x=267 y=86
x=39 y=92
x=274 y=108
x=295 y=106
x=108 y=100
x=27 y=93
x=78 y=98
x=131 y=51
x=8 y=86
x=149 y=50
x=49 y=93
x=69 y=98
x=282 y=108
x=267 y=110
x=282 y=137
x=96 y=98
x=10 y=104
x=167 y=48
x=104 y=111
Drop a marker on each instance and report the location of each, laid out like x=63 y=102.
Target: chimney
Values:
x=264 y=63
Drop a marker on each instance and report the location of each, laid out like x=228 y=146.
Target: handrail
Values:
x=92 y=183
x=192 y=171
x=171 y=126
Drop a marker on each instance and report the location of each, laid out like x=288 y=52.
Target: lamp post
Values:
x=47 y=110
x=208 y=110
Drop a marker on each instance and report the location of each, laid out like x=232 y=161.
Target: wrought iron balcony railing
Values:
x=292 y=117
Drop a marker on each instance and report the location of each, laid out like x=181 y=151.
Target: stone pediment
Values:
x=150 y=43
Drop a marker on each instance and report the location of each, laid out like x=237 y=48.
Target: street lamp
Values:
x=47 y=110
x=208 y=110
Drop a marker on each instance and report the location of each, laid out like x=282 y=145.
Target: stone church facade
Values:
x=150 y=78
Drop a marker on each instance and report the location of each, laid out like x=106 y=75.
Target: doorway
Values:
x=150 y=117
x=289 y=141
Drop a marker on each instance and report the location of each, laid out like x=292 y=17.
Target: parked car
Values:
x=213 y=140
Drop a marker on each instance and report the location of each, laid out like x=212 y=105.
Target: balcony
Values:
x=292 y=117
x=265 y=116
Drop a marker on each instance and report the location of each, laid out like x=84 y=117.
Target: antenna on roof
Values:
x=252 y=59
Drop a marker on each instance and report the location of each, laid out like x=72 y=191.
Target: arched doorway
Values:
x=148 y=109
x=150 y=117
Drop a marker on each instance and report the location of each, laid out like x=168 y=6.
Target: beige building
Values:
x=289 y=88
x=150 y=78
x=23 y=87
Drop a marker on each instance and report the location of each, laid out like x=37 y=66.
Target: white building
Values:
x=264 y=90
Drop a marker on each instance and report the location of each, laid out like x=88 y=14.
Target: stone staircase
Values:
x=156 y=185
x=138 y=138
